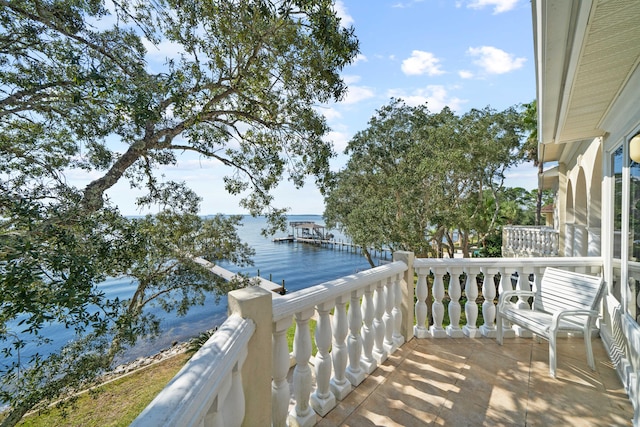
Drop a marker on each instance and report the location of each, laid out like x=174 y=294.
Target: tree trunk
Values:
x=15 y=415
x=367 y=255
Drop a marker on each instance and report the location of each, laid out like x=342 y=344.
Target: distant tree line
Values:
x=430 y=182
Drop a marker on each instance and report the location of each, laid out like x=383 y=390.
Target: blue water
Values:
x=300 y=265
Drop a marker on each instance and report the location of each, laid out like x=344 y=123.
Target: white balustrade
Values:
x=208 y=389
x=529 y=241
x=352 y=338
x=506 y=268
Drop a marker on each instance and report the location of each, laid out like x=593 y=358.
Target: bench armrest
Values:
x=555 y=320
x=507 y=295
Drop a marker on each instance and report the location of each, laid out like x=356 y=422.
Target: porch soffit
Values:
x=596 y=71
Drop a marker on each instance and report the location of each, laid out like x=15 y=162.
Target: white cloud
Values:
x=465 y=74
x=329 y=113
x=495 y=61
x=407 y=4
x=350 y=79
x=436 y=97
x=359 y=58
x=356 y=94
x=339 y=140
x=345 y=19
x=499 y=6
x=420 y=63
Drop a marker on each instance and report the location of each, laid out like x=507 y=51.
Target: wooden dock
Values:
x=228 y=275
x=313 y=234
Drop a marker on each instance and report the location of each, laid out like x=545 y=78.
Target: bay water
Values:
x=300 y=265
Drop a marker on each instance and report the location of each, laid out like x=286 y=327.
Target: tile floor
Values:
x=465 y=382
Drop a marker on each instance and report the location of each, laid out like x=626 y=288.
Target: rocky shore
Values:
x=141 y=362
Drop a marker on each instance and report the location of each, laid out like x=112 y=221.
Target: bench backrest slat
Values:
x=565 y=290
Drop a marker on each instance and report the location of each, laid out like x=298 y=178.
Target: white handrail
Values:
x=308 y=298
x=201 y=387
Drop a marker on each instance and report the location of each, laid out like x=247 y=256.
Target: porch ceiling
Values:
x=586 y=53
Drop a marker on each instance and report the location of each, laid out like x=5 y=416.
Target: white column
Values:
x=453 y=330
x=323 y=400
x=419 y=330
x=579 y=240
x=398 y=339
x=568 y=239
x=280 y=386
x=436 y=330
x=470 y=307
x=302 y=415
x=379 y=353
x=595 y=242
x=368 y=362
x=354 y=373
x=339 y=384
x=488 y=329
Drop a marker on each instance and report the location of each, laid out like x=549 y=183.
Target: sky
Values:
x=459 y=53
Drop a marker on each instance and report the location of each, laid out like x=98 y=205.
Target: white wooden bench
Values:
x=566 y=301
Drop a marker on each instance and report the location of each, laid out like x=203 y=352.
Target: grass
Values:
x=117 y=403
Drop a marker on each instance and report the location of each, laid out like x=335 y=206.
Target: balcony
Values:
x=529 y=241
x=377 y=364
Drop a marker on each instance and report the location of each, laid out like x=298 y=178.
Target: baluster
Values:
x=505 y=285
x=390 y=299
x=215 y=415
x=367 y=362
x=354 y=373
x=280 y=367
x=523 y=285
x=488 y=329
x=453 y=330
x=398 y=339
x=537 y=280
x=339 y=384
x=419 y=330
x=323 y=400
x=379 y=353
x=437 y=331
x=471 y=308
x=301 y=414
x=234 y=405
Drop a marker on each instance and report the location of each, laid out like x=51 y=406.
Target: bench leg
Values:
x=587 y=344
x=499 y=331
x=552 y=354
